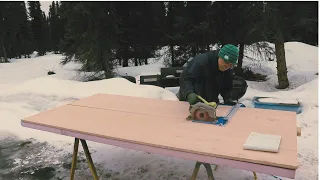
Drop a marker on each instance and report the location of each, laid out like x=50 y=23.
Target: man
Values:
x=208 y=75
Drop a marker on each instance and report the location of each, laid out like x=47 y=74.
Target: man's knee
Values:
x=179 y=97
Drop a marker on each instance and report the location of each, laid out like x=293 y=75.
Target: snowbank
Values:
x=50 y=86
x=40 y=94
x=302 y=66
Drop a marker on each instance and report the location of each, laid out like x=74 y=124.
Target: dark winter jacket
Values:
x=203 y=77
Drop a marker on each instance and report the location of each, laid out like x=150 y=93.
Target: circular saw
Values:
x=203 y=112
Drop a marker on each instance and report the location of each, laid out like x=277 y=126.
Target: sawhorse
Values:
x=88 y=156
x=94 y=172
x=209 y=171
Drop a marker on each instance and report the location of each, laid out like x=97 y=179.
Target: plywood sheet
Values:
x=138 y=105
x=162 y=124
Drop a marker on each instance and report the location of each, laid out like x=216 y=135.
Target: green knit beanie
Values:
x=229 y=53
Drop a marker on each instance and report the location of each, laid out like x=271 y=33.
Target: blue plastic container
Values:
x=276 y=106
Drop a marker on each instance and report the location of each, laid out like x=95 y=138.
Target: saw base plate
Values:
x=220 y=120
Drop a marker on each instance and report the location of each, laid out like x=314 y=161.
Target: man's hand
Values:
x=192 y=98
x=229 y=102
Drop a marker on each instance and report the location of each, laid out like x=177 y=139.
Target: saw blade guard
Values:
x=203 y=112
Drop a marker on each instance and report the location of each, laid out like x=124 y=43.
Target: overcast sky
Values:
x=45 y=6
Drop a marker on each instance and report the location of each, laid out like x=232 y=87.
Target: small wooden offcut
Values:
x=160 y=126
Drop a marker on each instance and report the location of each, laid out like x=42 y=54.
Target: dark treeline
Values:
x=101 y=35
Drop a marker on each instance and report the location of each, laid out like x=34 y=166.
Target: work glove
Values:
x=229 y=102
x=192 y=98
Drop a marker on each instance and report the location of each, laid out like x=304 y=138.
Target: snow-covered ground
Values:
x=26 y=89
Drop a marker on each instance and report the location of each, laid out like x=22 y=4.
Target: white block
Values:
x=262 y=142
x=278 y=100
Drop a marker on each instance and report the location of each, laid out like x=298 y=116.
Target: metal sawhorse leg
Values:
x=196 y=170
x=94 y=172
x=209 y=171
x=88 y=157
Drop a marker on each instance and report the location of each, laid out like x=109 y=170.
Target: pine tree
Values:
x=15 y=34
x=176 y=25
x=243 y=17
x=60 y=25
x=38 y=25
x=159 y=23
x=4 y=29
x=62 y=14
x=145 y=35
x=198 y=23
x=25 y=31
x=141 y=27
x=126 y=24
x=46 y=32
x=91 y=35
x=54 y=26
x=280 y=19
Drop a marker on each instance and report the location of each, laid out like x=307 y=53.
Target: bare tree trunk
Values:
x=106 y=65
x=194 y=50
x=172 y=54
x=107 y=70
x=146 y=61
x=135 y=61
x=4 y=52
x=240 y=60
x=125 y=62
x=281 y=61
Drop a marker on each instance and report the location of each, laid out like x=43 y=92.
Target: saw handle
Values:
x=213 y=104
x=202 y=99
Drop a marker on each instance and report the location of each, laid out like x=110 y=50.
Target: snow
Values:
x=302 y=66
x=26 y=89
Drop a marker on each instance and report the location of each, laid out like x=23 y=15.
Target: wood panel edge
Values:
x=291 y=167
